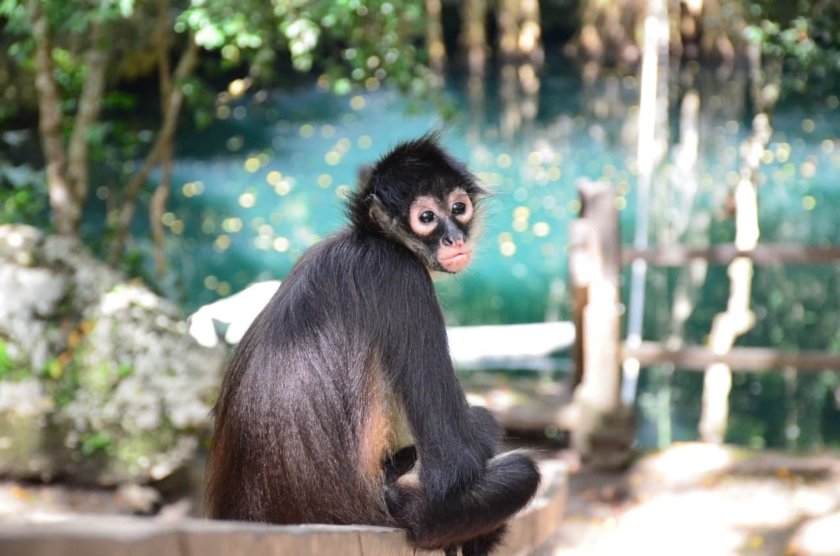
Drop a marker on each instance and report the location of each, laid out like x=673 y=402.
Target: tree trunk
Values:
x=66 y=210
x=474 y=35
x=510 y=117
x=165 y=135
x=508 y=29
x=720 y=23
x=529 y=42
x=608 y=30
x=90 y=104
x=434 y=41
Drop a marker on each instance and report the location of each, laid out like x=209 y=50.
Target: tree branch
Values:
x=166 y=133
x=90 y=104
x=157 y=206
x=160 y=197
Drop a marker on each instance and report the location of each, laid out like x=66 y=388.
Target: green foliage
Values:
x=9 y=368
x=97 y=442
x=23 y=195
x=5 y=361
x=375 y=42
x=804 y=34
x=70 y=18
x=353 y=42
x=201 y=99
x=61 y=374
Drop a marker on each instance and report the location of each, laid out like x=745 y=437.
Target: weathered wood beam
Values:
x=762 y=254
x=85 y=535
x=749 y=359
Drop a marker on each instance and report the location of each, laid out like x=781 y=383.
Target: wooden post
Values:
x=580 y=265
x=604 y=431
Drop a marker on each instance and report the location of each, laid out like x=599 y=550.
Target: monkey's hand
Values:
x=470 y=514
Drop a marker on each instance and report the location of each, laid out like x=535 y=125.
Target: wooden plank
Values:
x=763 y=254
x=534 y=525
x=538 y=364
x=750 y=359
x=487 y=347
x=107 y=535
x=87 y=535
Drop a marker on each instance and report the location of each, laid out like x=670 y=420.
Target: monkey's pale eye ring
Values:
x=424 y=215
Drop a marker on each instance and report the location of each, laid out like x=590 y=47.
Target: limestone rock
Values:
x=99 y=379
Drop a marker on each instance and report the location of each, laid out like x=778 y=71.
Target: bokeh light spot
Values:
x=222 y=242
x=247 y=200
x=541 y=229
x=364 y=141
x=325 y=180
x=281 y=244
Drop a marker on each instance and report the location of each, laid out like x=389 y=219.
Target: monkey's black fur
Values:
x=350 y=350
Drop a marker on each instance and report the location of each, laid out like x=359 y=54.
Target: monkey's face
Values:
x=442 y=224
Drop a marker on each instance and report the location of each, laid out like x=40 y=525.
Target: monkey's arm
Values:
x=464 y=494
x=453 y=440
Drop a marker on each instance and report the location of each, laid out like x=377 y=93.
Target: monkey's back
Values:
x=310 y=368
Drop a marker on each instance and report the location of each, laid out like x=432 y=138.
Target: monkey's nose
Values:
x=449 y=242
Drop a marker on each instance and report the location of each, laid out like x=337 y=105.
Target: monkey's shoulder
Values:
x=352 y=273
x=358 y=255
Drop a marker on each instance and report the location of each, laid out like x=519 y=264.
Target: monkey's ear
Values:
x=377 y=210
x=379 y=214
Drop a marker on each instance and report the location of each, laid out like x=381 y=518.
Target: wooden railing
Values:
x=595 y=255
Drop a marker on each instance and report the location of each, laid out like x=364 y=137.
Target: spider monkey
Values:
x=340 y=404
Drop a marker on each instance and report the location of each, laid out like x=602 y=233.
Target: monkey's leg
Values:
x=481 y=508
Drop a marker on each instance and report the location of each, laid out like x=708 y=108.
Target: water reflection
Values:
x=267 y=181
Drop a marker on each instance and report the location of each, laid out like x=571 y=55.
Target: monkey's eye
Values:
x=427 y=217
x=459 y=208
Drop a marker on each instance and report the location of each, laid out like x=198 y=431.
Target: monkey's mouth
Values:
x=455 y=260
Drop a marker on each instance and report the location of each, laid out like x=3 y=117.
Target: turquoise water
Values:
x=268 y=179
x=263 y=203
x=263 y=184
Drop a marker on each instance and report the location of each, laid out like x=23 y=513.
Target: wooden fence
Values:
x=595 y=259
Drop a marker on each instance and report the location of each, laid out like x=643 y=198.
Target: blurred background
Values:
x=159 y=156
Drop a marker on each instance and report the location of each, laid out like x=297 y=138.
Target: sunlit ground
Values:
x=696 y=499
x=691 y=499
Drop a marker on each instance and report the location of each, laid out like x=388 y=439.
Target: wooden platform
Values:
x=534 y=404
x=524 y=405
x=95 y=535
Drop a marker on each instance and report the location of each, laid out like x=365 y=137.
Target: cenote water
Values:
x=268 y=179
